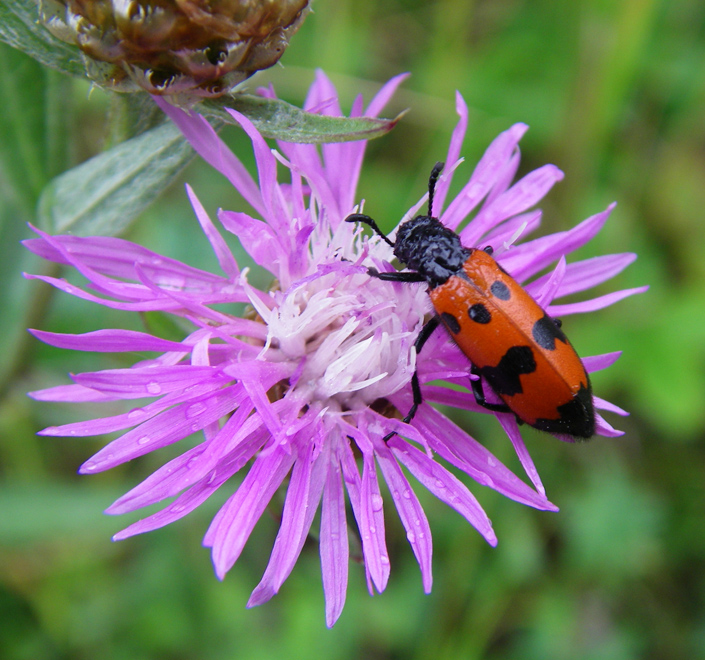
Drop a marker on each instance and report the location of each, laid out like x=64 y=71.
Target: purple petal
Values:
x=220 y=247
x=511 y=428
x=586 y=274
x=456 y=143
x=151 y=381
x=595 y=303
x=116 y=257
x=274 y=209
x=601 y=404
x=368 y=511
x=257 y=237
x=333 y=544
x=197 y=494
x=524 y=194
x=411 y=513
x=599 y=362
x=371 y=525
x=233 y=524
x=603 y=428
x=444 y=485
x=109 y=341
x=168 y=427
x=69 y=394
x=213 y=150
x=463 y=451
x=529 y=258
x=235 y=439
x=547 y=292
x=302 y=498
x=484 y=177
x=505 y=235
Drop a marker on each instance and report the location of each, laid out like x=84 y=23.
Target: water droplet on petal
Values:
x=411 y=536
x=440 y=484
x=384 y=559
x=377 y=502
x=143 y=440
x=154 y=388
x=195 y=409
x=89 y=466
x=135 y=412
x=491 y=462
x=177 y=508
x=407 y=494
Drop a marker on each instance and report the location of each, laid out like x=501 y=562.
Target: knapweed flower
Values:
x=303 y=390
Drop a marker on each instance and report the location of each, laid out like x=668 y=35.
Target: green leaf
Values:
x=21 y=29
x=283 y=121
x=104 y=194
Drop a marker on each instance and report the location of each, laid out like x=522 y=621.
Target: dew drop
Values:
x=143 y=440
x=154 y=388
x=440 y=484
x=135 y=412
x=373 y=530
x=177 y=508
x=195 y=409
x=407 y=494
x=491 y=462
x=411 y=536
x=89 y=466
x=377 y=502
x=384 y=559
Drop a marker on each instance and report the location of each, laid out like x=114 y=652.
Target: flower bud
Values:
x=202 y=47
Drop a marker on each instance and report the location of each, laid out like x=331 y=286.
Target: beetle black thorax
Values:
x=431 y=249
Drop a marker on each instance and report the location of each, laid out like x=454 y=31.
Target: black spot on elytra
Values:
x=500 y=290
x=480 y=314
x=504 y=378
x=576 y=418
x=450 y=322
x=546 y=331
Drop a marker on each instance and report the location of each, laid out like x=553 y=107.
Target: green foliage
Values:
x=614 y=94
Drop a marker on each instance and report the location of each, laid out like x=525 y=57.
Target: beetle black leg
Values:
x=480 y=394
x=425 y=333
x=397 y=276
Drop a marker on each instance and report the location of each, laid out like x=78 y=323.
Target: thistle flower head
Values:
x=202 y=47
x=305 y=389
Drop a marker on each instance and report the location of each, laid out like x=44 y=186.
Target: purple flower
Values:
x=298 y=388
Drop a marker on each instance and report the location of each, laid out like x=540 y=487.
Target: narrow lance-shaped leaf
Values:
x=277 y=119
x=104 y=194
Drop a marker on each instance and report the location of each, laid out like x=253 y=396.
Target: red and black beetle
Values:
x=512 y=343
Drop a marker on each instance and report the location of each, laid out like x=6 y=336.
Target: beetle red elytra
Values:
x=513 y=345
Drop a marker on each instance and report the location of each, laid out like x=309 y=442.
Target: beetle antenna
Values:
x=366 y=220
x=435 y=173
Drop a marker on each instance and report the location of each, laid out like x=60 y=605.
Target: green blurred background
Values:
x=614 y=93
